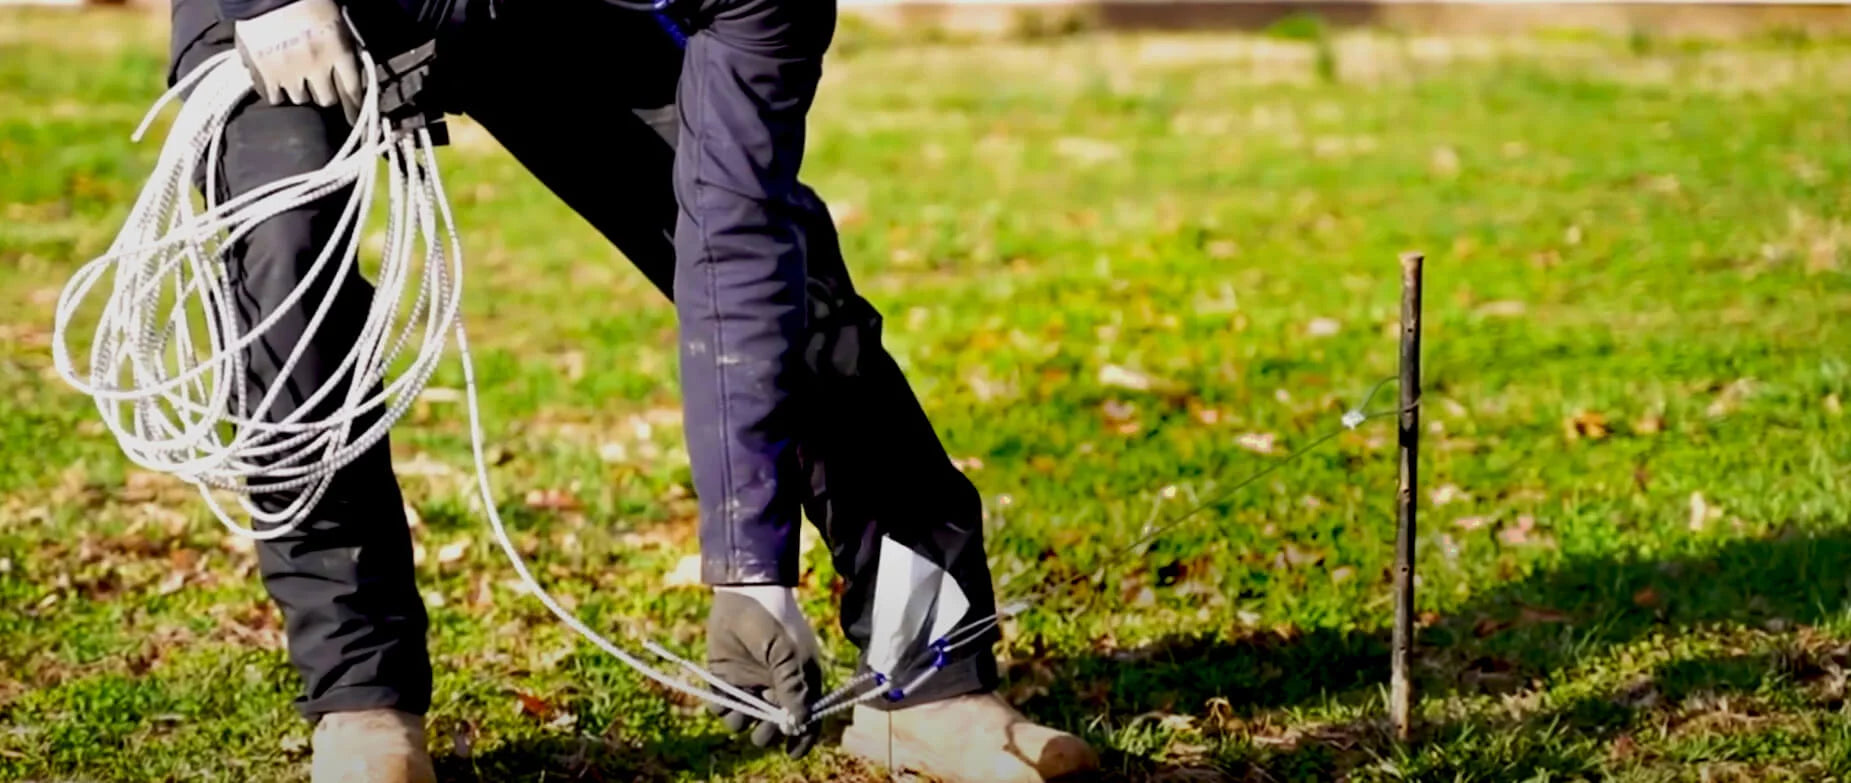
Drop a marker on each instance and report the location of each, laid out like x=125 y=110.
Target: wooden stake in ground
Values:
x=1401 y=689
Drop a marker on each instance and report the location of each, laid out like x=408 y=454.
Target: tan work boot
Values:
x=371 y=746
x=970 y=739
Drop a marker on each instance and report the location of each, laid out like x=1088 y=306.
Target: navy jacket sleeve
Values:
x=401 y=22
x=245 y=9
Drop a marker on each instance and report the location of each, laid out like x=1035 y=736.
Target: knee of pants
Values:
x=280 y=253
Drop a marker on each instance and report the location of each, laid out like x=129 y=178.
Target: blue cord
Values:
x=669 y=25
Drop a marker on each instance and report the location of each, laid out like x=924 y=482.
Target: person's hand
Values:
x=302 y=53
x=759 y=641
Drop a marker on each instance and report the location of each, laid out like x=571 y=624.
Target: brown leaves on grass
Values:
x=1523 y=532
x=252 y=624
x=1702 y=513
x=1291 y=556
x=552 y=499
x=532 y=706
x=1530 y=615
x=1623 y=748
x=1526 y=616
x=1125 y=378
x=1447 y=493
x=1646 y=597
x=1121 y=417
x=1585 y=424
x=687 y=573
x=1730 y=396
x=1258 y=442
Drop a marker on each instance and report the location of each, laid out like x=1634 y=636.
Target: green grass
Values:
x=1635 y=538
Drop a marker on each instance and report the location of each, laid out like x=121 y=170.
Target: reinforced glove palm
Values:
x=758 y=640
x=302 y=53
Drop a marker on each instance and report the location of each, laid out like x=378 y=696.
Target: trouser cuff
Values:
x=363 y=697
x=960 y=677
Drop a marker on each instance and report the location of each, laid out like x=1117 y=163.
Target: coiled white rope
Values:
x=166 y=363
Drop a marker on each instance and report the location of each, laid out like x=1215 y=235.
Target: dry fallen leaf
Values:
x=1471 y=523
x=1118 y=411
x=1123 y=378
x=1504 y=308
x=1291 y=555
x=1701 y=512
x=1176 y=723
x=1444 y=161
x=613 y=452
x=551 y=499
x=422 y=464
x=1323 y=327
x=687 y=573
x=452 y=552
x=1586 y=424
x=1534 y=614
x=1518 y=532
x=1257 y=442
x=1731 y=397
x=1645 y=598
x=1448 y=493
x=1623 y=748
x=527 y=704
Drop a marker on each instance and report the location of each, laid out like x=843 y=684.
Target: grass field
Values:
x=1636 y=539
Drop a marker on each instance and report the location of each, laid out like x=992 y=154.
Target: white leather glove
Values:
x=758 y=640
x=302 y=53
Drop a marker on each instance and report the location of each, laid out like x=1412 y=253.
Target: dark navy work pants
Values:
x=687 y=161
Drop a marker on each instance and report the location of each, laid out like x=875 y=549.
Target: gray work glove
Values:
x=759 y=641
x=302 y=53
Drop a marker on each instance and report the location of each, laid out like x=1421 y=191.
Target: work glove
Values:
x=302 y=53
x=759 y=641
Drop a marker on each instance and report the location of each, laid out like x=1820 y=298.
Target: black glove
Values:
x=759 y=641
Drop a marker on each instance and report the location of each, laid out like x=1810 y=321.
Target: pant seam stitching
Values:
x=727 y=501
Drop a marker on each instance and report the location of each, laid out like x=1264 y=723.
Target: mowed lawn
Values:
x=1124 y=274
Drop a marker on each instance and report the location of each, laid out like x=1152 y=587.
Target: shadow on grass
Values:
x=1512 y=638
x=584 y=757
x=581 y=757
